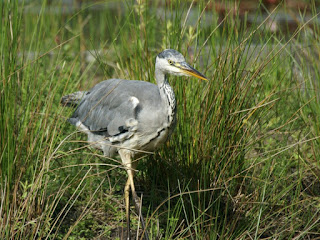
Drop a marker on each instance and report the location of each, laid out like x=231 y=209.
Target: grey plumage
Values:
x=73 y=99
x=127 y=116
x=112 y=107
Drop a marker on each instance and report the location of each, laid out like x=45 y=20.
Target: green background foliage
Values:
x=243 y=162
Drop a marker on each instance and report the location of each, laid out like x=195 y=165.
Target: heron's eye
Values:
x=170 y=62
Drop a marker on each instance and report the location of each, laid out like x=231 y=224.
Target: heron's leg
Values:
x=126 y=159
x=127 y=200
x=137 y=201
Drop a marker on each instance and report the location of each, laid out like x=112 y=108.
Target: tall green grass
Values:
x=34 y=74
x=243 y=162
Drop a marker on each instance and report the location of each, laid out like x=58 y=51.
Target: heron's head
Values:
x=172 y=62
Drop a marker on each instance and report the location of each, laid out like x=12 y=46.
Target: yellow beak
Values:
x=187 y=69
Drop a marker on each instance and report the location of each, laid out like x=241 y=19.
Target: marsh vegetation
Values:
x=244 y=161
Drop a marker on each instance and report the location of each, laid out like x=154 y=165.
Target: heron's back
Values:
x=123 y=112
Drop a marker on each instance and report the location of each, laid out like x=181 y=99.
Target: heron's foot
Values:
x=138 y=204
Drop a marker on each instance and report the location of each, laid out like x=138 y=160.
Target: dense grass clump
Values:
x=243 y=162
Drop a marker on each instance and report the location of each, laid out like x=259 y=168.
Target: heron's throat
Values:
x=168 y=98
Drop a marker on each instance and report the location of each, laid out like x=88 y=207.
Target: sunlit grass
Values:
x=243 y=162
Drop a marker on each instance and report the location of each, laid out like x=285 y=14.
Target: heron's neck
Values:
x=167 y=96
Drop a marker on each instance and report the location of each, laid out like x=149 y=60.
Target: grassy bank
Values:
x=243 y=162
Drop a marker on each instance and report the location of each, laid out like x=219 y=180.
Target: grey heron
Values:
x=126 y=117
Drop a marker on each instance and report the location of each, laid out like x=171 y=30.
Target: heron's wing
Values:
x=111 y=108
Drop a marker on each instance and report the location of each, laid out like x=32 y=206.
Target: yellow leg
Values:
x=126 y=160
x=127 y=200
x=137 y=203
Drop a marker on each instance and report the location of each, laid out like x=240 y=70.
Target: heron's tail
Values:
x=73 y=99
